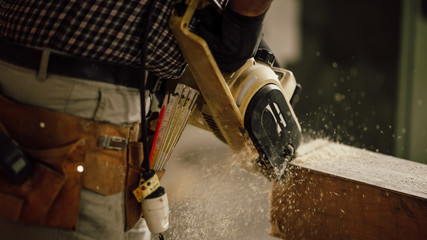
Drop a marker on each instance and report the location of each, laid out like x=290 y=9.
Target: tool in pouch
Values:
x=155 y=207
x=250 y=109
x=175 y=112
x=13 y=162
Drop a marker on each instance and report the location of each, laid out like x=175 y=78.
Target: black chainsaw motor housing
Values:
x=273 y=128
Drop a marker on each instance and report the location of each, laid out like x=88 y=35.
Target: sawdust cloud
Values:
x=212 y=198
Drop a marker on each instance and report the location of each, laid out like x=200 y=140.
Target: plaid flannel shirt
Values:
x=105 y=30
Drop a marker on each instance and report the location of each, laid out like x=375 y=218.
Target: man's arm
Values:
x=233 y=37
x=250 y=8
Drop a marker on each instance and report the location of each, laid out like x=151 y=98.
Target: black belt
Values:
x=71 y=66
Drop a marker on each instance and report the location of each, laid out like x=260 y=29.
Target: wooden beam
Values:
x=333 y=191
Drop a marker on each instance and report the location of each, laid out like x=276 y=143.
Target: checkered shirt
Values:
x=105 y=30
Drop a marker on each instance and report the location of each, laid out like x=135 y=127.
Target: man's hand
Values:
x=234 y=36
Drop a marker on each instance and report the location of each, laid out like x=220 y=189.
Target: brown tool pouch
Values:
x=49 y=196
x=65 y=153
x=133 y=207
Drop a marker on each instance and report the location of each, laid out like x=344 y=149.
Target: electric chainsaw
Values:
x=249 y=109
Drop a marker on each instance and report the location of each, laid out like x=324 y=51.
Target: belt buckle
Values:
x=112 y=142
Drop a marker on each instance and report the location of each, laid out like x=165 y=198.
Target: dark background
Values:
x=348 y=69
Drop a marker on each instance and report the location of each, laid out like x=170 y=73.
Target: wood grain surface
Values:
x=333 y=191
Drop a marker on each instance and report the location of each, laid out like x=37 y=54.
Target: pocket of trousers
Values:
x=33 y=200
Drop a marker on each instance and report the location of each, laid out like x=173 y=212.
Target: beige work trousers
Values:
x=100 y=217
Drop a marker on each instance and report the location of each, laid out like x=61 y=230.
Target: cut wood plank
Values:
x=333 y=191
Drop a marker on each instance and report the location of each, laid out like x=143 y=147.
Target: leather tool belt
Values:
x=67 y=153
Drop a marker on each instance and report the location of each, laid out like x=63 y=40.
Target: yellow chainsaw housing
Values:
x=226 y=97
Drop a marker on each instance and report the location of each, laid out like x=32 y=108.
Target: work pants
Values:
x=100 y=216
